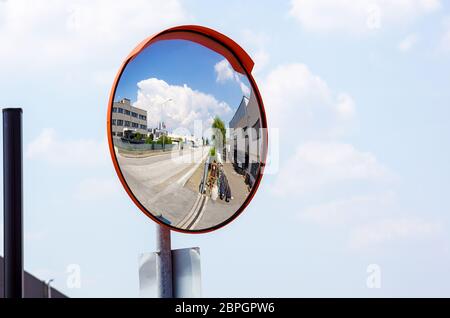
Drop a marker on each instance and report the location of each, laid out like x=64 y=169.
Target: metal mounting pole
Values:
x=163 y=262
x=13 y=202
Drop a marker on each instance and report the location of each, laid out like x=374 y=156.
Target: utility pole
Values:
x=13 y=202
x=163 y=262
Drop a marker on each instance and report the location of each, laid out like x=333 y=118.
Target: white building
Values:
x=127 y=117
x=191 y=140
x=245 y=138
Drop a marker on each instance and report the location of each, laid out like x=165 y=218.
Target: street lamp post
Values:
x=49 y=288
x=161 y=105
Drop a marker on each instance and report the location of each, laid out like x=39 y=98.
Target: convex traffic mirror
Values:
x=187 y=130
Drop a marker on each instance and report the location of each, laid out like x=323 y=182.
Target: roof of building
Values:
x=33 y=286
x=241 y=111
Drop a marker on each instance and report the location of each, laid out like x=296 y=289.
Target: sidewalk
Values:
x=194 y=181
x=218 y=211
x=239 y=190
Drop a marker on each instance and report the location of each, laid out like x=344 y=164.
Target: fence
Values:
x=142 y=147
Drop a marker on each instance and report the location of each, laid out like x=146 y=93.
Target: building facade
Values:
x=127 y=117
x=245 y=138
x=158 y=131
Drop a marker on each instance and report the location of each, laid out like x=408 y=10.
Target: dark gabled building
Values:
x=33 y=287
x=245 y=138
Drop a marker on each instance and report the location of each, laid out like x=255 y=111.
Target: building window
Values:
x=134 y=125
x=142 y=117
x=247 y=152
x=134 y=114
x=114 y=122
x=255 y=131
x=119 y=122
x=143 y=127
x=114 y=109
x=127 y=123
x=127 y=112
x=120 y=110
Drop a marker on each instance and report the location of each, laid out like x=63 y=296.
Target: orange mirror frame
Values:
x=239 y=60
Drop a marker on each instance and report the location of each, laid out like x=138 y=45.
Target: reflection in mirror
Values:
x=187 y=133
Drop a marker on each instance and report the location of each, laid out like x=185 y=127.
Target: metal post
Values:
x=12 y=202
x=163 y=262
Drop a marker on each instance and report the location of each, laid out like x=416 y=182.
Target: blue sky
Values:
x=179 y=63
x=358 y=91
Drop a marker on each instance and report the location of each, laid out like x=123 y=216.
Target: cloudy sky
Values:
x=358 y=91
x=182 y=82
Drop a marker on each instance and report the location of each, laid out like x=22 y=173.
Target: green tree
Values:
x=164 y=139
x=220 y=125
x=149 y=140
x=138 y=136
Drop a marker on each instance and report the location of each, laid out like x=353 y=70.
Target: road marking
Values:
x=200 y=215
x=196 y=213
x=191 y=212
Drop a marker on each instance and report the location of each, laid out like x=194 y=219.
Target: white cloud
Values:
x=224 y=73
x=261 y=58
x=50 y=147
x=357 y=208
x=392 y=229
x=408 y=42
x=244 y=89
x=255 y=43
x=345 y=106
x=358 y=16
x=332 y=183
x=49 y=33
x=187 y=105
x=97 y=189
x=317 y=166
x=298 y=99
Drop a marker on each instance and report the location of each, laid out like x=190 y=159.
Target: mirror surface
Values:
x=187 y=133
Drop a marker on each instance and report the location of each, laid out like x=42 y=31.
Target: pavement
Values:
x=216 y=212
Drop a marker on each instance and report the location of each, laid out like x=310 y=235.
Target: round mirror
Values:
x=187 y=129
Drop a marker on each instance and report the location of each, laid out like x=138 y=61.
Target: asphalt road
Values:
x=158 y=181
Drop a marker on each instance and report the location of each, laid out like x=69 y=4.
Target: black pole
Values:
x=12 y=202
